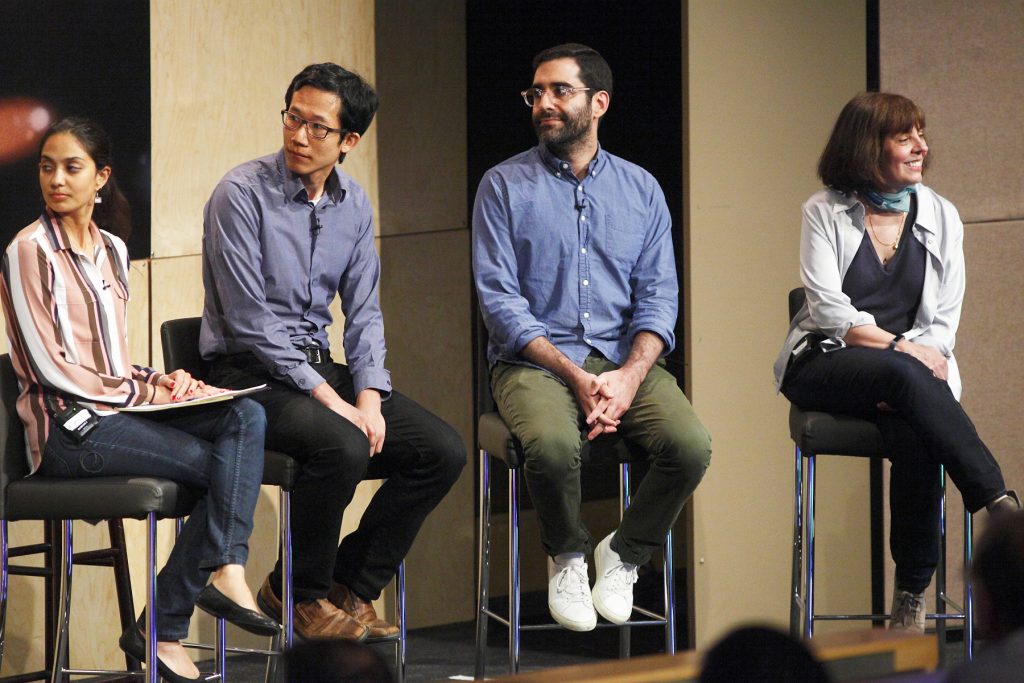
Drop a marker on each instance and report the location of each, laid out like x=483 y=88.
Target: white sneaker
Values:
x=613 y=590
x=569 y=595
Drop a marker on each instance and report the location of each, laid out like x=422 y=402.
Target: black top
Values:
x=890 y=292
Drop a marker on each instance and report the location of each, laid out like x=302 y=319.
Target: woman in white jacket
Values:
x=882 y=263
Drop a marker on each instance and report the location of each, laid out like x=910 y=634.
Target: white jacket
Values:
x=831 y=234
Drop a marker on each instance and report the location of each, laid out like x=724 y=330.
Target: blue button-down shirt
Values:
x=587 y=263
x=273 y=263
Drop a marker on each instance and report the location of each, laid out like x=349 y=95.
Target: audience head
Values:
x=757 y=653
x=335 y=661
x=998 y=573
x=855 y=157
x=88 y=180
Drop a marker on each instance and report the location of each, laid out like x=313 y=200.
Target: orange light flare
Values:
x=23 y=121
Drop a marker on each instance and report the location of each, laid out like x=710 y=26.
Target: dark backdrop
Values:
x=77 y=58
x=642 y=42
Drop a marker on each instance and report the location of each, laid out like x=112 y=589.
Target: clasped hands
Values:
x=182 y=386
x=605 y=398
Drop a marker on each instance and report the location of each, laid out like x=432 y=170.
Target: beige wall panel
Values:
x=25 y=630
x=177 y=293
x=425 y=299
x=962 y=63
x=219 y=74
x=766 y=82
x=421 y=67
x=138 y=313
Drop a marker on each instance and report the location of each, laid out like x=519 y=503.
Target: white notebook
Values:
x=226 y=396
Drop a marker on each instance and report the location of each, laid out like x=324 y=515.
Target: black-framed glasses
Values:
x=317 y=131
x=559 y=92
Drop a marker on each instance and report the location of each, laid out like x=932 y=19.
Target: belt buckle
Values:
x=314 y=354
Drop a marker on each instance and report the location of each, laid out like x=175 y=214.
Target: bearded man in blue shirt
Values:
x=283 y=235
x=573 y=263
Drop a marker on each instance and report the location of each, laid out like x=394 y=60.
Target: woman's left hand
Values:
x=181 y=384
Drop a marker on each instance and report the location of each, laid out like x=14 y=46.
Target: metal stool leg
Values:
x=624 y=499
x=513 y=570
x=60 y=654
x=283 y=641
x=941 y=607
x=400 y=620
x=484 y=564
x=968 y=588
x=809 y=608
x=669 y=573
x=3 y=587
x=151 y=635
x=797 y=572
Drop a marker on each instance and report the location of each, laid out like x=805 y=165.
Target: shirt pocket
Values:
x=77 y=314
x=624 y=232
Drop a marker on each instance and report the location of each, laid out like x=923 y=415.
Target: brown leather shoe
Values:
x=314 y=619
x=347 y=601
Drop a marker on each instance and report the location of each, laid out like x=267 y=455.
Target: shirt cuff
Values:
x=373 y=378
x=304 y=377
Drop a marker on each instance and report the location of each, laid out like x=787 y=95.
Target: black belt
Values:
x=316 y=354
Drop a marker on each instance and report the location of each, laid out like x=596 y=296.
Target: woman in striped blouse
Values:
x=65 y=299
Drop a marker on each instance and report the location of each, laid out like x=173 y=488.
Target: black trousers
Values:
x=926 y=428
x=421 y=459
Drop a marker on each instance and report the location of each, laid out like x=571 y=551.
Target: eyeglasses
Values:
x=558 y=92
x=317 y=131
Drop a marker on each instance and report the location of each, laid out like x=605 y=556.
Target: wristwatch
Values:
x=895 y=340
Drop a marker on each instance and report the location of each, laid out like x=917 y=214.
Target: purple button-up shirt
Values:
x=273 y=263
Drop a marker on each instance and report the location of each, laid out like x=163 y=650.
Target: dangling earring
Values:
x=99 y=199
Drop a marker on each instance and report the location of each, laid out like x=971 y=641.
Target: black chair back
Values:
x=180 y=341
x=13 y=456
x=797 y=297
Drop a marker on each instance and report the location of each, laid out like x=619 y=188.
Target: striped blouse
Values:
x=66 y=326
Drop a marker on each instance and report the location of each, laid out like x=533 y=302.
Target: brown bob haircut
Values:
x=852 y=160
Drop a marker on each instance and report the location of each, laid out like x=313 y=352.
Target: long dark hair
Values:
x=113 y=214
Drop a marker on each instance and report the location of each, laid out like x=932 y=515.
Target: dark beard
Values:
x=572 y=134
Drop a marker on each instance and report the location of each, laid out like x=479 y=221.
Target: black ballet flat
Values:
x=212 y=601
x=134 y=643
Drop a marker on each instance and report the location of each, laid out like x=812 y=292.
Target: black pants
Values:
x=421 y=460
x=926 y=428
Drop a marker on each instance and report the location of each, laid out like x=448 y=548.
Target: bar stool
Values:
x=63 y=500
x=180 y=341
x=818 y=433
x=496 y=441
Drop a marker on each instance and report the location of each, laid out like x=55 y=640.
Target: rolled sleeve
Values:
x=653 y=279
x=505 y=310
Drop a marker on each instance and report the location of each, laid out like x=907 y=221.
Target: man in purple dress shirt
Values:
x=572 y=257
x=283 y=235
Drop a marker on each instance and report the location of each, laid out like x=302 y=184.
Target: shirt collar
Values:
x=294 y=190
x=557 y=165
x=59 y=236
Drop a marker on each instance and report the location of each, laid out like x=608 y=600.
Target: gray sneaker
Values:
x=908 y=610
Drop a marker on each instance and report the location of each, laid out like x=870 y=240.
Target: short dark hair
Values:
x=358 y=99
x=852 y=159
x=594 y=70
x=998 y=566
x=113 y=213
x=760 y=653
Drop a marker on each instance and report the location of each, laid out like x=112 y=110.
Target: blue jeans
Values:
x=216 y=448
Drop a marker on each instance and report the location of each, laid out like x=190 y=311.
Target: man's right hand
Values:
x=593 y=395
x=326 y=394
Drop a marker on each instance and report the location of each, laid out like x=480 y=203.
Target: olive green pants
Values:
x=543 y=414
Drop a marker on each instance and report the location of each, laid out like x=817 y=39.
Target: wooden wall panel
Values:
x=962 y=62
x=219 y=74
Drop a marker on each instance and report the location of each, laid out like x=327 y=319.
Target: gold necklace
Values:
x=894 y=245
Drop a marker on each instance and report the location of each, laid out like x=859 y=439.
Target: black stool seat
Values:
x=836 y=434
x=49 y=498
x=279 y=470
